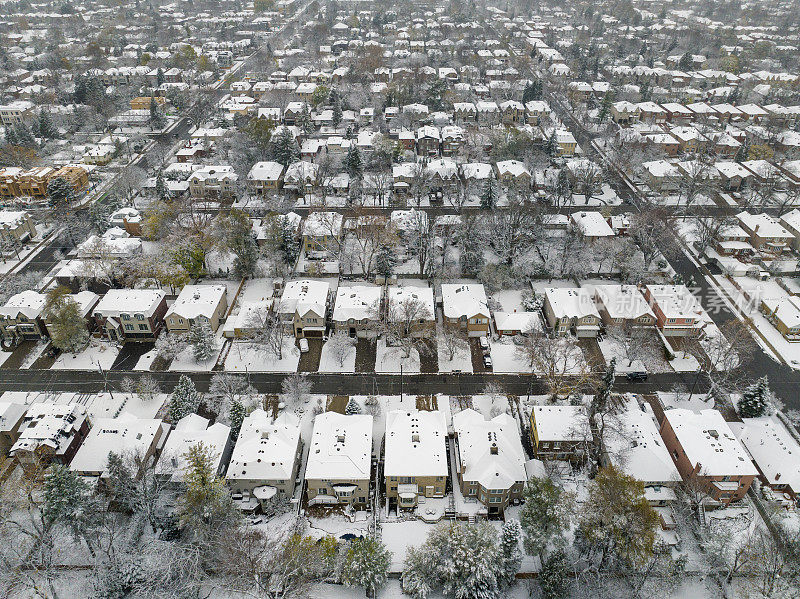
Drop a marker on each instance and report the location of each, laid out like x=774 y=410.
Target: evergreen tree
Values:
x=756 y=399
x=605 y=106
x=685 y=63
x=304 y=120
x=23 y=136
x=352 y=162
x=545 y=515
x=59 y=191
x=352 y=407
x=489 y=195
x=366 y=565
x=157 y=119
x=743 y=153
x=289 y=247
x=202 y=338
x=510 y=557
x=471 y=259
x=336 y=107
x=551 y=146
x=159 y=77
x=236 y=416
x=284 y=148
x=554 y=577
x=162 y=193
x=184 y=400
x=206 y=506
x=385 y=260
x=46 y=127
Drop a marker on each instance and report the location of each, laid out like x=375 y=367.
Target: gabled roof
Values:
x=497 y=468
x=340 y=448
x=415 y=443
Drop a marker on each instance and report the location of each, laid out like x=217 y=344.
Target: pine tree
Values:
x=206 y=506
x=743 y=153
x=336 y=119
x=284 y=148
x=385 y=261
x=352 y=162
x=162 y=193
x=24 y=136
x=46 y=127
x=685 y=63
x=551 y=147
x=290 y=249
x=756 y=399
x=545 y=515
x=605 y=106
x=489 y=195
x=510 y=557
x=202 y=339
x=236 y=416
x=304 y=120
x=366 y=565
x=59 y=191
x=184 y=400
x=159 y=77
x=352 y=407
x=554 y=577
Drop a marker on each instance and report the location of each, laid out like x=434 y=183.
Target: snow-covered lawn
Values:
x=684 y=362
x=389 y=359
x=506 y=358
x=697 y=402
x=399 y=536
x=509 y=299
x=98 y=354
x=248 y=357
x=185 y=361
x=146 y=360
x=328 y=362
x=606 y=197
x=611 y=349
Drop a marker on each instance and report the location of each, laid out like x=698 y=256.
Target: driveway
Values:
x=309 y=361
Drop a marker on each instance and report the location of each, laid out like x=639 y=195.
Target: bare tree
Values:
x=559 y=361
x=404 y=320
x=451 y=340
x=340 y=345
x=631 y=339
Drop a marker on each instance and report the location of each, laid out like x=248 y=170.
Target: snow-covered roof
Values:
x=517 y=321
x=476 y=170
x=707 y=440
x=591 y=224
x=397 y=295
x=12 y=218
x=415 y=443
x=11 y=413
x=29 y=302
x=514 y=168
x=634 y=445
x=561 y=423
x=303 y=295
x=784 y=309
x=320 y=224
x=265 y=171
x=129 y=301
x=266 y=449
x=675 y=301
x=763 y=225
x=50 y=424
x=623 y=301
x=197 y=300
x=357 y=302
x=188 y=432
x=774 y=450
x=490 y=451
x=123 y=435
x=340 y=448
x=464 y=299
x=571 y=302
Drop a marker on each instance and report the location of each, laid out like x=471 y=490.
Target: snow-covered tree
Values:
x=184 y=399
x=236 y=415
x=295 y=388
x=206 y=505
x=510 y=557
x=204 y=343
x=755 y=399
x=489 y=195
x=224 y=390
x=169 y=345
x=545 y=516
x=66 y=324
x=353 y=164
x=554 y=577
x=365 y=564
x=352 y=407
x=340 y=345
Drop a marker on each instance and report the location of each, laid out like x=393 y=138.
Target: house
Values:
x=791 y=221
x=591 y=225
x=16 y=112
x=732 y=175
x=16 y=227
x=196 y=303
x=774 y=451
x=566 y=145
x=784 y=314
x=12 y=415
x=322 y=232
x=662 y=176
x=465 y=305
x=490 y=461
x=512 y=172
x=536 y=111
x=516 y=323
x=415 y=456
x=677 y=311
x=707 y=453
x=131 y=314
x=265 y=178
x=303 y=307
x=624 y=113
x=213 y=182
x=267 y=456
x=143 y=102
x=621 y=305
x=340 y=460
x=571 y=309
x=356 y=310
x=129 y=219
x=560 y=432
x=21 y=316
x=50 y=433
x=85 y=301
x=428 y=140
x=413 y=306
x=248 y=320
x=512 y=112
x=189 y=431
x=125 y=435
x=767 y=234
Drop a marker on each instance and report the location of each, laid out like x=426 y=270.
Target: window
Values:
x=495 y=500
x=128 y=327
x=406 y=479
x=473 y=491
x=322 y=491
x=671 y=320
x=139 y=317
x=143 y=327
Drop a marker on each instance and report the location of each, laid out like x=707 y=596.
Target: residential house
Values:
x=767 y=234
x=465 y=305
x=707 y=454
x=213 y=182
x=591 y=225
x=21 y=316
x=131 y=314
x=85 y=301
x=12 y=415
x=303 y=307
x=16 y=227
x=357 y=309
x=197 y=303
x=265 y=178
x=50 y=433
x=571 y=310
x=339 y=464
x=560 y=432
x=516 y=323
x=189 y=431
x=621 y=305
x=774 y=451
x=322 y=233
x=784 y=314
x=678 y=313
x=414 y=307
x=415 y=456
x=512 y=172
x=490 y=461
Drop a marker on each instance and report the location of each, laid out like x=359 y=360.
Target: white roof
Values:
x=358 y=302
x=265 y=171
x=476 y=438
x=767 y=225
x=785 y=309
x=397 y=295
x=464 y=299
x=561 y=423
x=516 y=321
x=635 y=446
x=415 y=443
x=303 y=295
x=708 y=441
x=49 y=424
x=515 y=168
x=319 y=224
x=571 y=302
x=592 y=224
x=125 y=434
x=12 y=217
x=129 y=301
x=623 y=301
x=11 y=414
x=773 y=449
x=476 y=170
x=340 y=448
x=29 y=302
x=675 y=301
x=197 y=300
x=266 y=449
x=188 y=432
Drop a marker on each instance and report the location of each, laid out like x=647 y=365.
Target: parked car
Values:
x=636 y=376
x=303 y=345
x=484 y=343
x=487 y=361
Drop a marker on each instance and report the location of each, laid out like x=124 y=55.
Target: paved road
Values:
x=345 y=384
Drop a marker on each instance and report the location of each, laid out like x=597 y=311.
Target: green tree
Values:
x=554 y=577
x=352 y=162
x=260 y=131
x=59 y=192
x=237 y=237
x=605 y=106
x=510 y=556
x=685 y=63
x=366 y=565
x=545 y=516
x=157 y=119
x=162 y=193
x=385 y=260
x=159 y=77
x=206 y=505
x=489 y=195
x=284 y=148
x=201 y=337
x=46 y=127
x=184 y=399
x=65 y=323
x=236 y=416
x=756 y=399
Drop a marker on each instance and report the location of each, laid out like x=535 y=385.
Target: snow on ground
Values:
x=330 y=363
x=506 y=358
x=611 y=349
x=684 y=362
x=5 y=355
x=606 y=197
x=697 y=402
x=185 y=361
x=146 y=360
x=245 y=356
x=336 y=524
x=98 y=354
x=399 y=536
x=389 y=359
x=509 y=299
x=34 y=354
x=462 y=357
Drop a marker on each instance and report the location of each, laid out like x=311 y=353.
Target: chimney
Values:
x=493 y=449
x=415 y=438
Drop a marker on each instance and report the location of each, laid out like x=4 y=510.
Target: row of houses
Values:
x=19 y=182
